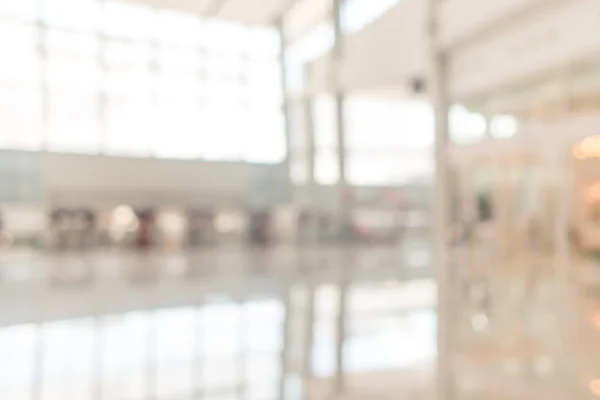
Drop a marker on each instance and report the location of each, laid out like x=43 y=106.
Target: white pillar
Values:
x=311 y=150
x=569 y=311
x=44 y=83
x=438 y=81
x=286 y=273
x=102 y=105
x=286 y=104
x=310 y=251
x=343 y=201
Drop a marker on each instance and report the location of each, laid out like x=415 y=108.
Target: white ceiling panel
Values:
x=192 y=6
x=304 y=15
x=254 y=12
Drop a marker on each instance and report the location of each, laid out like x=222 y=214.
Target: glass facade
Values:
x=109 y=77
x=388 y=142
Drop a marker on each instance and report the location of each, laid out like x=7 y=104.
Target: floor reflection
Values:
x=226 y=350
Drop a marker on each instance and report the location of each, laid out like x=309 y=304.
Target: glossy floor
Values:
x=222 y=348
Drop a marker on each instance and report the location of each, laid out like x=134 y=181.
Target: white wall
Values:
x=496 y=46
x=461 y=19
x=390 y=51
x=541 y=46
x=97 y=180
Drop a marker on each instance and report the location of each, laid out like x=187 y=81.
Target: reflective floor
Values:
x=225 y=346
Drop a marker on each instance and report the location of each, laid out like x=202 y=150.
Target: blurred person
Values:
x=6 y=239
x=145 y=227
x=90 y=227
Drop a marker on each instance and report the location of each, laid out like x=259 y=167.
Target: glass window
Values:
x=264 y=71
x=123 y=19
x=69 y=44
x=262 y=377
x=121 y=55
x=20 y=9
x=313 y=45
x=20 y=61
x=138 y=83
x=295 y=77
x=176 y=28
x=225 y=37
x=177 y=130
x=129 y=126
x=221 y=375
x=264 y=84
x=67 y=74
x=383 y=124
x=81 y=15
x=173 y=59
x=327 y=171
x=224 y=66
x=381 y=171
x=357 y=14
x=73 y=123
x=18 y=37
x=265 y=138
x=179 y=86
x=20 y=119
x=224 y=92
x=264 y=42
x=223 y=128
x=325 y=122
x=298 y=124
x=299 y=170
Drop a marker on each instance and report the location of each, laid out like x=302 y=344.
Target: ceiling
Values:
x=253 y=12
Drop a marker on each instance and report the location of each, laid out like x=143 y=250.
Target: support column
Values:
x=285 y=103
x=343 y=197
x=310 y=251
x=569 y=310
x=44 y=82
x=102 y=105
x=285 y=275
x=440 y=99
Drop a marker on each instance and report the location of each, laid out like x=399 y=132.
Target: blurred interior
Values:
x=299 y=199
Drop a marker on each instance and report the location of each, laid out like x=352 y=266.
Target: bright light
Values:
x=466 y=126
x=123 y=220
x=480 y=322
x=595 y=387
x=596 y=321
x=228 y=223
x=588 y=148
x=594 y=192
x=503 y=126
